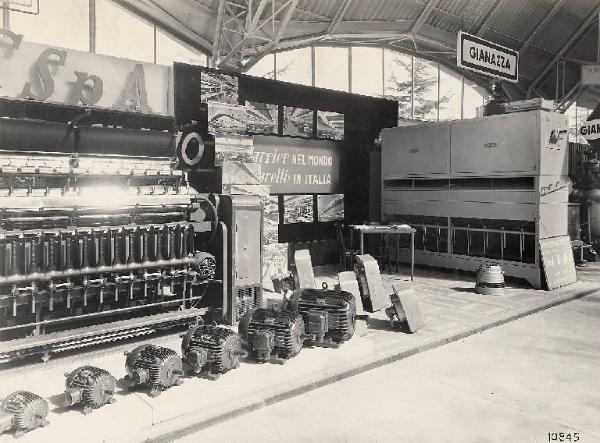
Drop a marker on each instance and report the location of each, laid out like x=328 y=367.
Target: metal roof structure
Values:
x=553 y=37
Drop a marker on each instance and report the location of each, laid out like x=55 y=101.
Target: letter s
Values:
x=43 y=70
x=473 y=52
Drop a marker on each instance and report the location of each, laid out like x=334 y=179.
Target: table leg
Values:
x=412 y=256
x=397 y=252
x=362 y=243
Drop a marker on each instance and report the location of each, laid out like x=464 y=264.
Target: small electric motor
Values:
x=153 y=365
x=328 y=315
x=22 y=411
x=490 y=279
x=92 y=386
x=272 y=334
x=210 y=350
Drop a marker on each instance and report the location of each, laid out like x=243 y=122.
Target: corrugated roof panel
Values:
x=518 y=18
x=557 y=32
x=580 y=8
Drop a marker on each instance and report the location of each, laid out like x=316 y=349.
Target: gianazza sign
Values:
x=56 y=75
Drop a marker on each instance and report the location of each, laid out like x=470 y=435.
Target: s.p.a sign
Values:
x=485 y=57
x=51 y=74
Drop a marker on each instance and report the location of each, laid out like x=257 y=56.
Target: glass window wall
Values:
x=367 y=71
x=331 y=68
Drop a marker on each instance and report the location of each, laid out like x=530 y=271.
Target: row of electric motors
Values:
x=317 y=317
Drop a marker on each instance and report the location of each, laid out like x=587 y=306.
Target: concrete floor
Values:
x=452 y=312
x=516 y=382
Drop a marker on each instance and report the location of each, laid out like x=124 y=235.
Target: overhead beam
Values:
x=218 y=30
x=425 y=13
x=542 y=25
x=339 y=15
x=592 y=17
x=165 y=20
x=487 y=19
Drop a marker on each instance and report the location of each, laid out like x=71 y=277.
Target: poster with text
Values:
x=330 y=125
x=330 y=207
x=298 y=209
x=218 y=87
x=262 y=118
x=298 y=121
x=298 y=166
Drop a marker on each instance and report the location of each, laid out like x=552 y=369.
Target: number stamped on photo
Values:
x=563 y=436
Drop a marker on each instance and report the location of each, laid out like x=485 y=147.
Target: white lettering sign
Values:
x=57 y=75
x=485 y=57
x=590 y=130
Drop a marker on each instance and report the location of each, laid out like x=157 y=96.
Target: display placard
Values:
x=479 y=55
x=590 y=130
x=298 y=166
x=557 y=260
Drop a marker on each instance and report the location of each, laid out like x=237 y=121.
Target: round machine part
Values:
x=211 y=349
x=153 y=365
x=269 y=331
x=490 y=279
x=23 y=411
x=92 y=386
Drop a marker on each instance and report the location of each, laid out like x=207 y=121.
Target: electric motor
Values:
x=211 y=350
x=490 y=279
x=92 y=386
x=271 y=331
x=329 y=315
x=23 y=411
x=153 y=365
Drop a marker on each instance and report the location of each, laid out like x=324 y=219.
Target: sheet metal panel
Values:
x=423 y=149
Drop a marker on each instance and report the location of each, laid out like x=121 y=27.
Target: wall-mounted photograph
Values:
x=271 y=219
x=330 y=207
x=330 y=125
x=298 y=209
x=216 y=87
x=224 y=118
x=298 y=121
x=262 y=118
x=233 y=148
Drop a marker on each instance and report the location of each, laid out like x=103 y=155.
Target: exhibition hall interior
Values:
x=299 y=220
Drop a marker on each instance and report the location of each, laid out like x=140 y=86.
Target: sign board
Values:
x=557 y=260
x=590 y=130
x=485 y=57
x=590 y=75
x=57 y=75
x=293 y=165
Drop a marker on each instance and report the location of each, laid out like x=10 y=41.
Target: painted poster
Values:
x=297 y=121
x=218 y=87
x=298 y=209
x=263 y=118
x=233 y=148
x=226 y=119
x=330 y=125
x=330 y=207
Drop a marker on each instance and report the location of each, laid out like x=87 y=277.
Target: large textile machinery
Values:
x=480 y=190
x=101 y=237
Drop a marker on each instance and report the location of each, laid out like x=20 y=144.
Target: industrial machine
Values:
x=152 y=365
x=272 y=334
x=22 y=411
x=479 y=189
x=211 y=350
x=103 y=238
x=329 y=315
x=91 y=386
x=404 y=309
